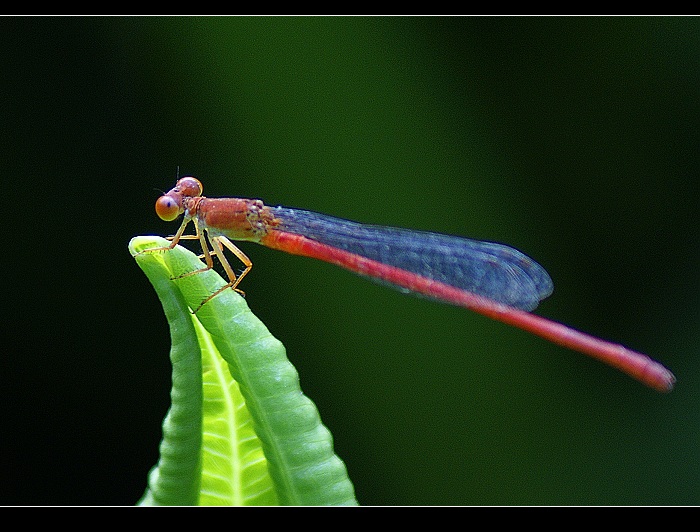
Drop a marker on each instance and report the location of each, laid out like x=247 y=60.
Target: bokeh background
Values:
x=573 y=139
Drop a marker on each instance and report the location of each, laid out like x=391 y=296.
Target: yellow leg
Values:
x=206 y=254
x=218 y=250
x=175 y=238
x=217 y=244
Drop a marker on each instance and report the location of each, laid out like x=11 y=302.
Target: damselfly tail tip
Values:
x=661 y=379
x=669 y=383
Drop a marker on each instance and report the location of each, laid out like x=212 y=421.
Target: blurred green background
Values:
x=573 y=139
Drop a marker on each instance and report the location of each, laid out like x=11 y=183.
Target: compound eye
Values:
x=167 y=208
x=189 y=186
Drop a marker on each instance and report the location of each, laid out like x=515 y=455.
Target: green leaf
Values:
x=286 y=433
x=175 y=479
x=234 y=468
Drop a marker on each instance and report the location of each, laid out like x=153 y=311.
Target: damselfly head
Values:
x=167 y=208
x=188 y=186
x=171 y=204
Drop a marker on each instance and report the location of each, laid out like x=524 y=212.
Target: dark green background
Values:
x=573 y=139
